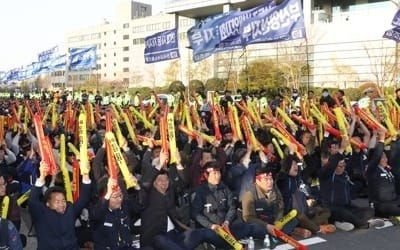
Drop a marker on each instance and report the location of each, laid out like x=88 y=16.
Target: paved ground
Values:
x=364 y=239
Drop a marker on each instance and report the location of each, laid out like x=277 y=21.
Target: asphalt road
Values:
x=362 y=239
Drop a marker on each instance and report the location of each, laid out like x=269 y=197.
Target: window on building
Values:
x=125 y=59
x=125 y=69
x=95 y=36
x=166 y=25
x=125 y=25
x=98 y=66
x=105 y=75
x=115 y=54
x=125 y=37
x=126 y=48
x=115 y=64
x=182 y=35
x=86 y=37
x=115 y=74
x=74 y=39
x=115 y=32
x=104 y=44
x=126 y=80
x=105 y=33
x=153 y=27
x=105 y=65
x=105 y=55
x=115 y=43
x=138 y=29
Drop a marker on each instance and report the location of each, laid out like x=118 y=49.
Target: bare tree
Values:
x=202 y=70
x=137 y=78
x=345 y=74
x=172 y=71
x=292 y=62
x=382 y=62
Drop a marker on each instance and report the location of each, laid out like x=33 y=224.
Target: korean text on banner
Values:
x=161 y=46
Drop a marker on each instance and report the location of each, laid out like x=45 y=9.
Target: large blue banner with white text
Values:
x=282 y=23
x=393 y=34
x=222 y=32
x=161 y=46
x=83 y=58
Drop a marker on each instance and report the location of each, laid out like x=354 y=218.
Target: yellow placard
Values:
x=120 y=160
x=64 y=170
x=83 y=144
x=4 y=207
x=173 y=150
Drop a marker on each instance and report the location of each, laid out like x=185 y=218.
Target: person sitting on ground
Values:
x=54 y=220
x=381 y=180
x=335 y=195
x=263 y=204
x=213 y=206
x=296 y=195
x=111 y=218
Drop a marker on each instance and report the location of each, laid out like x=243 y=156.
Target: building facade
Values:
x=344 y=45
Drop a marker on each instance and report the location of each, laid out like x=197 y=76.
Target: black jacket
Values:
x=157 y=208
x=381 y=182
x=212 y=205
x=335 y=189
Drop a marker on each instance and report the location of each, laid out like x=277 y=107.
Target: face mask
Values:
x=295 y=94
x=325 y=94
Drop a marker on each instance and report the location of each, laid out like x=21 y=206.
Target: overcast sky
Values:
x=29 y=27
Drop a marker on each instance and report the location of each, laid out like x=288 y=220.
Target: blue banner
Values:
x=12 y=75
x=161 y=46
x=29 y=69
x=47 y=54
x=222 y=32
x=396 y=19
x=44 y=67
x=284 y=22
x=83 y=58
x=3 y=76
x=59 y=62
x=393 y=34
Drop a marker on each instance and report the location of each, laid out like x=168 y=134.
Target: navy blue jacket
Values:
x=335 y=189
x=381 y=181
x=56 y=231
x=111 y=229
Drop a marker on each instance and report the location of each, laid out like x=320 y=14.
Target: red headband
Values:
x=263 y=175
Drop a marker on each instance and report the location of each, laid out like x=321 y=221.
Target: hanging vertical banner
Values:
x=161 y=46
